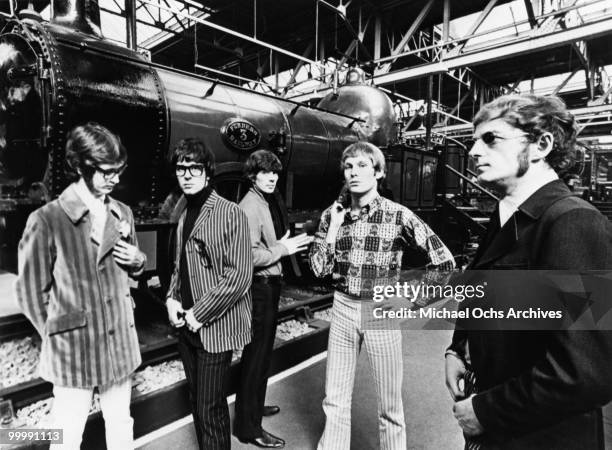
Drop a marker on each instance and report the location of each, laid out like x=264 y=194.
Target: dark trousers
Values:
x=206 y=375
x=256 y=361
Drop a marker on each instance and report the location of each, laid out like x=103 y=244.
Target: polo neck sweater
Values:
x=194 y=205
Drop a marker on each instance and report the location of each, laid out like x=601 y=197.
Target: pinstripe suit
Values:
x=76 y=295
x=220 y=268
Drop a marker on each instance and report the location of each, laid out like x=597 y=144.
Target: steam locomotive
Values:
x=56 y=75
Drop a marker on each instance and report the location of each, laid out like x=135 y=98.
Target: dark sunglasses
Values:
x=109 y=174
x=489 y=137
x=195 y=171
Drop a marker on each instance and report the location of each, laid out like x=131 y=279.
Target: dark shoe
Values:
x=270 y=410
x=266 y=440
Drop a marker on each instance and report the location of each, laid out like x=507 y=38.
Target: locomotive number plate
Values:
x=240 y=134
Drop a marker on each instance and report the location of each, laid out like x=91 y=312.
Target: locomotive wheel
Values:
x=230 y=183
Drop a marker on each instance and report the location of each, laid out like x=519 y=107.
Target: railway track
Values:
x=152 y=410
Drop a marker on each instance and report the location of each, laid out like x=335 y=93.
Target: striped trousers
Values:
x=384 y=350
x=207 y=375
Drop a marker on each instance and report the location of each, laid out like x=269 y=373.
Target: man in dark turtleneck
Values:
x=209 y=298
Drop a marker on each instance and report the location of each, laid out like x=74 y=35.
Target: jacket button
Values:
x=108 y=299
x=111 y=332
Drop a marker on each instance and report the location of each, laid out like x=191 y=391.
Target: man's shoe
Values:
x=266 y=440
x=270 y=410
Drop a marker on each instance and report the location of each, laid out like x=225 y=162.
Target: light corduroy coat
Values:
x=76 y=295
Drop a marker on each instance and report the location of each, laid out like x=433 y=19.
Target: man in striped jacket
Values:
x=74 y=260
x=209 y=297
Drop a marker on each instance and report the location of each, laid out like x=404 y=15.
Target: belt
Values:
x=267 y=279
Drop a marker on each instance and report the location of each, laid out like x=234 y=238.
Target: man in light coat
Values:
x=75 y=257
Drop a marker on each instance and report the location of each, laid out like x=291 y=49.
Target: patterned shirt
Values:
x=368 y=249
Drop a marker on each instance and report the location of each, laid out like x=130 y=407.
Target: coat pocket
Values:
x=66 y=322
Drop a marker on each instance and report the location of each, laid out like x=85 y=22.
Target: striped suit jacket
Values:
x=220 y=266
x=76 y=295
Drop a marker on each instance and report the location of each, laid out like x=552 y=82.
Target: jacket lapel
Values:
x=111 y=234
x=72 y=204
x=204 y=215
x=501 y=242
x=179 y=239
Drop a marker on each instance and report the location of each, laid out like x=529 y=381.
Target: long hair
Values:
x=89 y=146
x=536 y=115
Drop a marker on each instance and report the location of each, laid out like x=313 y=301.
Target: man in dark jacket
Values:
x=533 y=389
x=209 y=298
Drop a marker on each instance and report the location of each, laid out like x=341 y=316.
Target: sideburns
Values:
x=523 y=162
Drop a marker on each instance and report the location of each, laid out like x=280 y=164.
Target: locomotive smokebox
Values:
x=21 y=155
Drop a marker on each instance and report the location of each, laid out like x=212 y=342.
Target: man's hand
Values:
x=455 y=371
x=337 y=215
x=464 y=413
x=175 y=312
x=128 y=255
x=295 y=244
x=335 y=222
x=192 y=323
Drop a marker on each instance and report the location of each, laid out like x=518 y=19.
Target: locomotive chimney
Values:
x=80 y=15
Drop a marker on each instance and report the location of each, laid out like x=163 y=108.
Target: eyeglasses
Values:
x=109 y=174
x=489 y=137
x=195 y=171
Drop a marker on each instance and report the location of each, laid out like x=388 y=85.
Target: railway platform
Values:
x=299 y=392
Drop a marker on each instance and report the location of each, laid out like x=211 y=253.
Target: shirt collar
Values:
x=369 y=209
x=76 y=201
x=525 y=190
x=258 y=194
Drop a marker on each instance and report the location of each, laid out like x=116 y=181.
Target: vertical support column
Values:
x=593 y=180
x=429 y=100
x=276 y=68
x=130 y=24
x=446 y=21
x=377 y=33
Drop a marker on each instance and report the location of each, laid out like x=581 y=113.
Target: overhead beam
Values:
x=399 y=48
x=297 y=68
x=341 y=11
x=347 y=53
x=602 y=98
x=481 y=18
x=531 y=14
x=229 y=31
x=436 y=109
x=564 y=82
x=525 y=46
x=577 y=113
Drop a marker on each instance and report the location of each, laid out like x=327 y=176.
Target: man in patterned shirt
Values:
x=361 y=247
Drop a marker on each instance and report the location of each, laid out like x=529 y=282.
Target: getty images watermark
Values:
x=493 y=300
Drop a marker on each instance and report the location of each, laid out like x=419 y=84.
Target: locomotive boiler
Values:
x=56 y=75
